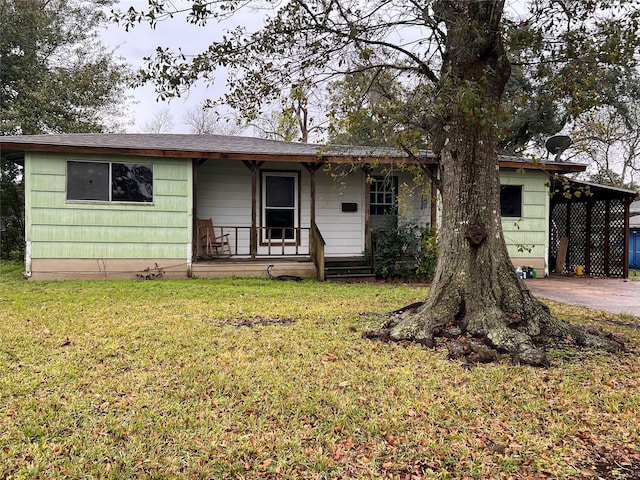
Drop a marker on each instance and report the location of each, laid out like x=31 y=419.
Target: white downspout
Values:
x=27 y=259
x=189 y=259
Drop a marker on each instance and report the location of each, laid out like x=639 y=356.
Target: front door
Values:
x=280 y=207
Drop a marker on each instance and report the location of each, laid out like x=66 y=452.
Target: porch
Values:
x=291 y=211
x=254 y=268
x=337 y=269
x=305 y=259
x=248 y=251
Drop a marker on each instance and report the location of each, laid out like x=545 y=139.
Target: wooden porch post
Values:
x=196 y=163
x=316 y=244
x=368 y=240
x=312 y=168
x=434 y=206
x=253 y=166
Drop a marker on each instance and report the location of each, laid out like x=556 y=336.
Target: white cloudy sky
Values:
x=176 y=33
x=142 y=41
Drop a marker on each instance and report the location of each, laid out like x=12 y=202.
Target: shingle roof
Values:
x=196 y=146
x=229 y=147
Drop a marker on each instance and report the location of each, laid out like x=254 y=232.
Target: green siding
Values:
x=176 y=172
x=91 y=217
x=50 y=164
x=165 y=188
x=532 y=230
x=53 y=200
x=58 y=228
x=107 y=250
x=116 y=234
x=48 y=183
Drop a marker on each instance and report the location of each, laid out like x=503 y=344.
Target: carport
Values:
x=589 y=228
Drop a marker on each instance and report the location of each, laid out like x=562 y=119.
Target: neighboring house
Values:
x=115 y=205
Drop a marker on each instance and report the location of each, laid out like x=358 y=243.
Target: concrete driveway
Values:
x=609 y=294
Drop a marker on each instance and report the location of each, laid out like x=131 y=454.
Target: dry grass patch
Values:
x=257 y=379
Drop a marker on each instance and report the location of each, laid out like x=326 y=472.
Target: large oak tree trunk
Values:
x=476 y=292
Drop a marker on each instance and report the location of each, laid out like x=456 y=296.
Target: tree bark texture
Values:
x=476 y=292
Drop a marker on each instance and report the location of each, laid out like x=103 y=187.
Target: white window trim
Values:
x=395 y=182
x=296 y=206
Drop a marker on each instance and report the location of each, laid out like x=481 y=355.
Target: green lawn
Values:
x=255 y=379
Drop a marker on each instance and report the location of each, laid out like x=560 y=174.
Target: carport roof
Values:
x=230 y=147
x=565 y=189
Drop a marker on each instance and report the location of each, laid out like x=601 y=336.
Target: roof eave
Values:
x=321 y=156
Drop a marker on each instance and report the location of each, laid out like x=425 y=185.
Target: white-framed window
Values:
x=382 y=195
x=280 y=206
x=110 y=181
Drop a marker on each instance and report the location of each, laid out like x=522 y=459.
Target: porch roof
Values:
x=232 y=148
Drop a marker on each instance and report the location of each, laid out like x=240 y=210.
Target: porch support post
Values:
x=312 y=168
x=368 y=240
x=434 y=205
x=195 y=241
x=253 y=166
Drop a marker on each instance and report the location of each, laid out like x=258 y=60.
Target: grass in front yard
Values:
x=258 y=379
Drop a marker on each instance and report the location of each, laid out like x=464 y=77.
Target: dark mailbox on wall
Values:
x=349 y=207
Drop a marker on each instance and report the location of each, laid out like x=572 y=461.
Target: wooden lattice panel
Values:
x=616 y=238
x=578 y=236
x=558 y=230
x=596 y=232
x=598 y=239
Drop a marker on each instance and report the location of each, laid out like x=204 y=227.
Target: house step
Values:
x=351 y=278
x=348 y=270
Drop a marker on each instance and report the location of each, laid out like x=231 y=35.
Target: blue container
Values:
x=634 y=248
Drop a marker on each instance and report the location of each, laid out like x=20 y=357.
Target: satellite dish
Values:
x=558 y=144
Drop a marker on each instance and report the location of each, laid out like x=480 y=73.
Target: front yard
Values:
x=214 y=379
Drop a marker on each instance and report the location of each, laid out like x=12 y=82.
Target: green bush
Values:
x=404 y=249
x=11 y=211
x=427 y=259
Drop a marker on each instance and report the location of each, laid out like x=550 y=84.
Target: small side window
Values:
x=511 y=201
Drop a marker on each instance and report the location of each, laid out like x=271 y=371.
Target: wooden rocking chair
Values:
x=212 y=245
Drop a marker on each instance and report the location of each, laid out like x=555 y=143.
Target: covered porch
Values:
x=235 y=252
x=286 y=211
